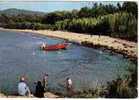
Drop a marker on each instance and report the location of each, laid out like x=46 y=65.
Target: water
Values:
x=20 y=56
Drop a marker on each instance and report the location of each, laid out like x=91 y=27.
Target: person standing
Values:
x=45 y=81
x=43 y=45
x=23 y=89
x=69 y=84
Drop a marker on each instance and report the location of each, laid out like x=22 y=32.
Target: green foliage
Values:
x=120 y=21
x=77 y=25
x=27 y=25
x=84 y=12
x=122 y=87
x=4 y=18
x=83 y=93
x=125 y=87
x=123 y=24
x=74 y=13
x=53 y=17
x=27 y=18
x=130 y=7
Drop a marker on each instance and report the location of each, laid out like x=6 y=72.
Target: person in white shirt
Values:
x=23 y=89
x=69 y=84
x=43 y=45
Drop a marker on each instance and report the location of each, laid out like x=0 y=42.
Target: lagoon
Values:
x=20 y=56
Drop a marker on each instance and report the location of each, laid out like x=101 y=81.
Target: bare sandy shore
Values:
x=46 y=95
x=129 y=49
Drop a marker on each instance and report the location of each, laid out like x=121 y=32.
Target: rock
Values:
x=50 y=95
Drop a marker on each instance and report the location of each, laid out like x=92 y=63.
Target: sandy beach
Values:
x=46 y=95
x=127 y=48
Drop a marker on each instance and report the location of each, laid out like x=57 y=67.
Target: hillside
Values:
x=15 y=12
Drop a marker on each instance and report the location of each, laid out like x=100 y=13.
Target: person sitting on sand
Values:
x=69 y=84
x=23 y=89
x=39 y=90
x=45 y=81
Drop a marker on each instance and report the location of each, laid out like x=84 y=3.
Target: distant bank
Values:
x=127 y=48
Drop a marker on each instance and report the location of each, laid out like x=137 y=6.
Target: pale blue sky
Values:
x=48 y=6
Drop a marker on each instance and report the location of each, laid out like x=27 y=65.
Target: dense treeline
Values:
x=121 y=25
x=117 y=21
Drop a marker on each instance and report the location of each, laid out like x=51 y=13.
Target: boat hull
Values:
x=55 y=47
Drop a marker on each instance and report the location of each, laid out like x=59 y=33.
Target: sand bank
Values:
x=46 y=95
x=128 y=48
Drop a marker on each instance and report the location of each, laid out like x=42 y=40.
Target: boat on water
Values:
x=55 y=47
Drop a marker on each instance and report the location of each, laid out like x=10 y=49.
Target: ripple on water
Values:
x=20 y=56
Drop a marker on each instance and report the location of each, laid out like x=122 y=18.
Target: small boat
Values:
x=55 y=47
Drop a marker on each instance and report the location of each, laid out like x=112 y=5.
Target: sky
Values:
x=48 y=6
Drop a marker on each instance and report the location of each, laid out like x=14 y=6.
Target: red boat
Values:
x=55 y=47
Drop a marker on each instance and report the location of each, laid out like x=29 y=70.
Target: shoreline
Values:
x=46 y=95
x=127 y=48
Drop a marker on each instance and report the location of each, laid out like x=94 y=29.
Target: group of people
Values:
x=24 y=90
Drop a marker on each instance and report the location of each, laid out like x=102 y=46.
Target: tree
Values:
x=74 y=13
x=84 y=12
x=4 y=18
x=130 y=7
x=119 y=7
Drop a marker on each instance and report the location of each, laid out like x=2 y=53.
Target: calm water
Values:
x=20 y=56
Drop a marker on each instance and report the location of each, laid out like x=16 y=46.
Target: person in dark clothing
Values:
x=39 y=90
